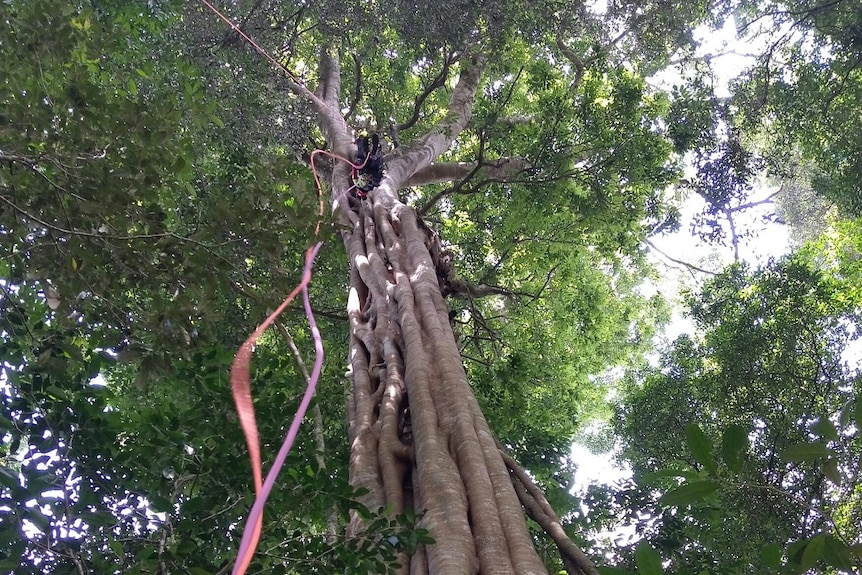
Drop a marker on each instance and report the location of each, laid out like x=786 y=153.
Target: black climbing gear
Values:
x=369 y=174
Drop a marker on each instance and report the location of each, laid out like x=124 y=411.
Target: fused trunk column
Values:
x=418 y=437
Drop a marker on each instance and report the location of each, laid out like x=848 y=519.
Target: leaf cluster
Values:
x=752 y=432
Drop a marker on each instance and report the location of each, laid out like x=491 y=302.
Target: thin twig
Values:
x=357 y=87
x=101 y=236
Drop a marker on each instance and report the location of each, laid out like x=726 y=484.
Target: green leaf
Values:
x=186 y=547
x=813 y=551
x=199 y=571
x=847 y=414
x=825 y=429
x=734 y=444
x=9 y=477
x=795 y=551
x=194 y=506
x=689 y=493
x=700 y=445
x=831 y=471
x=648 y=560
x=771 y=555
x=837 y=553
x=98 y=518
x=9 y=533
x=117 y=548
x=812 y=451
x=39 y=519
x=14 y=553
x=160 y=502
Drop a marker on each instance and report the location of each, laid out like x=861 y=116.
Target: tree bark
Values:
x=418 y=438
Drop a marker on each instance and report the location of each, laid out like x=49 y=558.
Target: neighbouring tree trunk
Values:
x=418 y=438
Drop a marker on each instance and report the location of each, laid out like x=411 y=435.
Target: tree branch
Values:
x=440 y=137
x=734 y=238
x=548 y=277
x=319 y=442
x=438 y=82
x=690 y=267
x=496 y=170
x=456 y=189
x=357 y=87
x=228 y=36
x=33 y=165
x=766 y=200
x=540 y=511
x=458 y=186
x=576 y=62
x=332 y=123
x=480 y=290
x=293 y=81
x=72 y=232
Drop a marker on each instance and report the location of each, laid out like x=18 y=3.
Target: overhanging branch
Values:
x=497 y=170
x=576 y=62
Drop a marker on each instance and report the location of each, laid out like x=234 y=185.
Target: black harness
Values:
x=369 y=174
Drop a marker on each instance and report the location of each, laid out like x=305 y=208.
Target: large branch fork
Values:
x=419 y=441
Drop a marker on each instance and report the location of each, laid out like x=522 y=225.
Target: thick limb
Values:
x=496 y=170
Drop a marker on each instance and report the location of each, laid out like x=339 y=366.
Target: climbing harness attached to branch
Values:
x=367 y=172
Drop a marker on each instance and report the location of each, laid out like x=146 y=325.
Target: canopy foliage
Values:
x=759 y=417
x=155 y=201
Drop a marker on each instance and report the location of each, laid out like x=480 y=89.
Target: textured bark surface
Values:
x=418 y=438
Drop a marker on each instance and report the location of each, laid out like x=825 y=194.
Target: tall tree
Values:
x=760 y=416
x=418 y=437
x=543 y=167
x=419 y=440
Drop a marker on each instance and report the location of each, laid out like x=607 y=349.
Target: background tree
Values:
x=760 y=417
x=791 y=116
x=143 y=242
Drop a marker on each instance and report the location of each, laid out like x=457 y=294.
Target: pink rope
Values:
x=250 y=40
x=240 y=378
x=242 y=396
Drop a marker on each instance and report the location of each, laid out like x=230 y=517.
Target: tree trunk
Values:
x=418 y=439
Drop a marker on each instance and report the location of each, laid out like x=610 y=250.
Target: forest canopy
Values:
x=485 y=304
